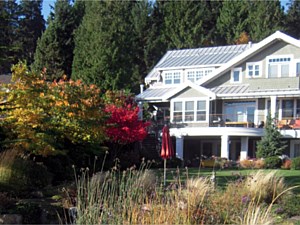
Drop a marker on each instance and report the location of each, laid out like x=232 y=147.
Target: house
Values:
x=216 y=99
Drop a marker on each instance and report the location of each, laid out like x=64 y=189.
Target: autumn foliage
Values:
x=45 y=118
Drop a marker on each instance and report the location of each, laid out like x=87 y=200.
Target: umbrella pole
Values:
x=165 y=168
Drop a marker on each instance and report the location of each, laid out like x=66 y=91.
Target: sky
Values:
x=46 y=7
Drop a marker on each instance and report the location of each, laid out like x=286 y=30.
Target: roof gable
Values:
x=277 y=36
x=199 y=57
x=189 y=84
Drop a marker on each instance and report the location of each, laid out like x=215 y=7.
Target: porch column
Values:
x=244 y=148
x=140 y=113
x=273 y=106
x=225 y=146
x=179 y=147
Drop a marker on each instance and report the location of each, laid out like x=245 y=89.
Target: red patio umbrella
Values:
x=166 y=148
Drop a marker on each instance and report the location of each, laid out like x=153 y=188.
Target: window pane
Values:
x=298 y=69
x=273 y=71
x=285 y=70
x=201 y=105
x=189 y=106
x=287 y=109
x=168 y=78
x=201 y=116
x=177 y=106
x=177 y=78
x=189 y=116
x=236 y=76
x=177 y=116
x=191 y=76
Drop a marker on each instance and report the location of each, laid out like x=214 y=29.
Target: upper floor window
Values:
x=236 y=75
x=253 y=69
x=172 y=77
x=194 y=75
x=279 y=66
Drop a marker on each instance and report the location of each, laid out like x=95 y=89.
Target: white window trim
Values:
x=199 y=69
x=173 y=72
x=183 y=100
x=240 y=78
x=294 y=71
x=292 y=64
x=253 y=64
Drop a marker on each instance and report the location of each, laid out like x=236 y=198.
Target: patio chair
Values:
x=283 y=124
x=295 y=124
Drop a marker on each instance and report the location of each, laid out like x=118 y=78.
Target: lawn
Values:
x=223 y=176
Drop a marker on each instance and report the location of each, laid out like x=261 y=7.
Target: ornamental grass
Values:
x=137 y=196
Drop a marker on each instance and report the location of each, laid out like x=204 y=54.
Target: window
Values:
x=236 y=74
x=189 y=111
x=253 y=69
x=172 y=77
x=239 y=111
x=287 y=109
x=298 y=108
x=279 y=66
x=297 y=68
x=201 y=110
x=177 y=112
x=194 y=75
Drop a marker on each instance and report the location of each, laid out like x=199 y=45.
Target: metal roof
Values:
x=154 y=93
x=208 y=56
x=243 y=90
x=230 y=89
x=201 y=56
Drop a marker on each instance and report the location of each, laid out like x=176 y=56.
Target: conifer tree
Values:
x=31 y=27
x=292 y=22
x=55 y=47
x=271 y=143
x=265 y=17
x=9 y=44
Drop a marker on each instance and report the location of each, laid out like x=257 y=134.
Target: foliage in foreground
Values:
x=136 y=197
x=45 y=118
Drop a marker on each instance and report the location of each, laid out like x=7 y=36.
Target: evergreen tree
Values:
x=233 y=21
x=104 y=48
x=186 y=23
x=9 y=45
x=31 y=27
x=265 y=17
x=271 y=143
x=55 y=47
x=292 y=22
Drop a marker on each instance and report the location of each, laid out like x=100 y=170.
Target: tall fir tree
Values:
x=9 y=44
x=55 y=48
x=292 y=22
x=104 y=50
x=265 y=17
x=31 y=27
x=232 y=21
x=186 y=23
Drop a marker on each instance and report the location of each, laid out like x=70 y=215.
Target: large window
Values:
x=177 y=116
x=189 y=111
x=279 y=66
x=287 y=109
x=239 y=111
x=194 y=75
x=172 y=77
x=253 y=69
x=236 y=75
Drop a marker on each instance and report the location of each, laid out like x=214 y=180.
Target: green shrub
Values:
x=295 y=163
x=289 y=205
x=273 y=162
